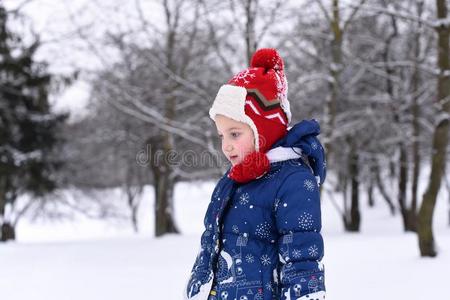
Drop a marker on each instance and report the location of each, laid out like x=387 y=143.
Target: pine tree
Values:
x=28 y=130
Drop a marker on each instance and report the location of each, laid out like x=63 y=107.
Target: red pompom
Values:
x=267 y=58
x=254 y=165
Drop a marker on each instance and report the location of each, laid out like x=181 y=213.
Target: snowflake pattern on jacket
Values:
x=262 y=239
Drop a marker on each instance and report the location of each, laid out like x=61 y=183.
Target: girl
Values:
x=262 y=227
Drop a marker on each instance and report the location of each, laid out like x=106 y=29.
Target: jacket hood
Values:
x=303 y=135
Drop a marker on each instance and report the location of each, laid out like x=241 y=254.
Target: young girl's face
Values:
x=237 y=138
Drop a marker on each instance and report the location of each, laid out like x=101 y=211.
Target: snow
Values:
x=73 y=99
x=88 y=259
x=18 y=156
x=441 y=22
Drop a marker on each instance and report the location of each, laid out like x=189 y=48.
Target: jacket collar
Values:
x=283 y=153
x=303 y=136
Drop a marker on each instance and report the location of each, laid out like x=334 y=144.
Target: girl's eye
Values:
x=235 y=134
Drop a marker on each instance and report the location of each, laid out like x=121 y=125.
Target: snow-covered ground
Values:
x=95 y=260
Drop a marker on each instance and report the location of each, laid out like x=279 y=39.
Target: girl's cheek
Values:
x=223 y=148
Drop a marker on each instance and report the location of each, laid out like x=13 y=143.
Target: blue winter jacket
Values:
x=262 y=239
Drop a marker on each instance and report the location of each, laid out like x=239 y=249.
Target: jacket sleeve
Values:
x=300 y=244
x=200 y=278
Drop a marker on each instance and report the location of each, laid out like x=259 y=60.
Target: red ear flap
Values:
x=254 y=165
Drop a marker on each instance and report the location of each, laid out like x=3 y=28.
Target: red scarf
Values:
x=253 y=166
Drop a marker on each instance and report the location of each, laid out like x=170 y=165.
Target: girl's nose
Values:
x=229 y=147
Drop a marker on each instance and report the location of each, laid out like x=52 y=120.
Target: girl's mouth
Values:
x=233 y=157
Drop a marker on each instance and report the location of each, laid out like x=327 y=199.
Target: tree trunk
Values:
x=415 y=125
x=164 y=185
x=448 y=197
x=164 y=213
x=134 y=207
x=164 y=143
x=372 y=180
x=250 y=31
x=416 y=167
x=134 y=220
x=133 y=189
x=8 y=232
x=425 y=218
x=352 y=222
x=390 y=72
x=370 y=194
x=411 y=219
x=335 y=72
x=440 y=138
x=408 y=215
x=2 y=204
x=382 y=189
x=343 y=187
x=392 y=168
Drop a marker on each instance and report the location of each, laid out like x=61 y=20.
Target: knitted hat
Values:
x=256 y=96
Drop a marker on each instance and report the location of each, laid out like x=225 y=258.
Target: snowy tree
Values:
x=28 y=130
x=238 y=28
x=364 y=69
x=162 y=79
x=405 y=49
x=169 y=83
x=384 y=70
x=325 y=70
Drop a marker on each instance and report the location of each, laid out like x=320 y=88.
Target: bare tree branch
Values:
x=352 y=15
x=324 y=10
x=390 y=12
